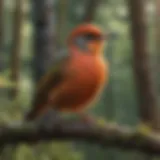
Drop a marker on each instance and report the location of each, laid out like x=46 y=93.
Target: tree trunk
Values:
x=148 y=105
x=16 y=47
x=43 y=20
x=44 y=43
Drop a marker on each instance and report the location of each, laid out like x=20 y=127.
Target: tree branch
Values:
x=107 y=135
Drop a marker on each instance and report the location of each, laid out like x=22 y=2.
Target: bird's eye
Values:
x=90 y=36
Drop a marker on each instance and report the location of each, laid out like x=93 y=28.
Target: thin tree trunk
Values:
x=44 y=42
x=44 y=28
x=148 y=105
x=16 y=47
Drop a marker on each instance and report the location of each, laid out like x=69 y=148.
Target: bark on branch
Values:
x=107 y=135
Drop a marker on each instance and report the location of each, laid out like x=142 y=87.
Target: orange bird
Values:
x=76 y=80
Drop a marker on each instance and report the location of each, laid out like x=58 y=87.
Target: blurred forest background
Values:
x=26 y=27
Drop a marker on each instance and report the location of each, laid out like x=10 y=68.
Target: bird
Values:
x=75 y=81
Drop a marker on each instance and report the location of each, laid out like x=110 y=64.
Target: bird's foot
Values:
x=48 y=121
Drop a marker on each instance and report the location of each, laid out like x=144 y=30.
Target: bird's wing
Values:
x=55 y=74
x=51 y=80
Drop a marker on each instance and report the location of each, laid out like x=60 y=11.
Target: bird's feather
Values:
x=51 y=80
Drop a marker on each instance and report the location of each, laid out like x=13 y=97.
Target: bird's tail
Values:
x=35 y=112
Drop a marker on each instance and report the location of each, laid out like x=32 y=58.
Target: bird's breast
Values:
x=86 y=77
x=88 y=71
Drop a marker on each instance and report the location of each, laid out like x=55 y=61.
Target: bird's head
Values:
x=87 y=38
